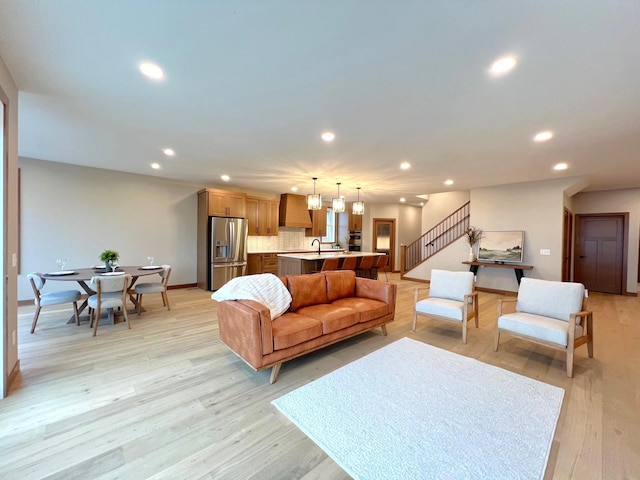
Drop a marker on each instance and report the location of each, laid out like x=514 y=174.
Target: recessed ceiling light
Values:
x=405 y=165
x=503 y=65
x=448 y=182
x=328 y=136
x=169 y=152
x=560 y=166
x=294 y=189
x=151 y=70
x=225 y=178
x=543 y=136
x=402 y=199
x=155 y=166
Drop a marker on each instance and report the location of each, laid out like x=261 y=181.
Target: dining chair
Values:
x=37 y=282
x=452 y=297
x=111 y=293
x=365 y=267
x=154 y=287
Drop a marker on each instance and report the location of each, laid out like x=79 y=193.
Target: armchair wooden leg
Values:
x=35 y=319
x=590 y=333
x=415 y=318
x=464 y=331
x=126 y=317
x=496 y=340
x=274 y=372
x=570 y=361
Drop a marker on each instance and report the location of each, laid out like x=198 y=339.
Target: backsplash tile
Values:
x=289 y=238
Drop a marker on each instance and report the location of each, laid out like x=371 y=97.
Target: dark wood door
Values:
x=600 y=252
x=384 y=238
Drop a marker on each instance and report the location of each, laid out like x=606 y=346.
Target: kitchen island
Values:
x=303 y=263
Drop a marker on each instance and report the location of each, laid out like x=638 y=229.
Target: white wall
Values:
x=535 y=207
x=407 y=224
x=77 y=212
x=617 y=201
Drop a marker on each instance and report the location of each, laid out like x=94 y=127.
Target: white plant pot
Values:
x=472 y=257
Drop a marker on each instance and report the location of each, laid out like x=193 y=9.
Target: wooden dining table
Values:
x=84 y=275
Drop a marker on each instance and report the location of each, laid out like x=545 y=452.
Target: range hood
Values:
x=293 y=211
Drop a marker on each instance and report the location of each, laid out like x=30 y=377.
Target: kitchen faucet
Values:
x=314 y=241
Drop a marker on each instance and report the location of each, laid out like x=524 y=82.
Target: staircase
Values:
x=446 y=232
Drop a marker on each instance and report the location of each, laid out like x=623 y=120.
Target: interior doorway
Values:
x=384 y=239
x=567 y=244
x=4 y=345
x=601 y=252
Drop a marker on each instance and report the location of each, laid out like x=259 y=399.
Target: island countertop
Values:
x=303 y=263
x=323 y=255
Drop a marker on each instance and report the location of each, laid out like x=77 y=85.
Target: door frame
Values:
x=567 y=245
x=392 y=239
x=625 y=243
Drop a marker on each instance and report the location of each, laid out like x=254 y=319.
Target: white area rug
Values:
x=411 y=411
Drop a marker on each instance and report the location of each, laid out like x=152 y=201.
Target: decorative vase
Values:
x=472 y=257
x=107 y=267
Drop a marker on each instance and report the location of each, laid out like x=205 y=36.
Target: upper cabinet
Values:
x=318 y=223
x=223 y=203
x=355 y=222
x=262 y=216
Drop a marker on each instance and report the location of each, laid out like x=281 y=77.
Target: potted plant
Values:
x=109 y=256
x=473 y=235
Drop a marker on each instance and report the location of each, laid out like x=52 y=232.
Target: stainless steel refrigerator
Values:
x=227 y=250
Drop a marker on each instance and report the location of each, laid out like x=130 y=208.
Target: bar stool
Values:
x=330 y=264
x=349 y=263
x=382 y=264
x=365 y=267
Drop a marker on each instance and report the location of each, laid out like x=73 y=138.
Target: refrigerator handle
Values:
x=232 y=238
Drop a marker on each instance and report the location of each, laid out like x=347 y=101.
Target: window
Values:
x=331 y=227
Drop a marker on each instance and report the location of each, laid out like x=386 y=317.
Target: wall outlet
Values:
x=545 y=251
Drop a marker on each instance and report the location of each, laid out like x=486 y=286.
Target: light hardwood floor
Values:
x=167 y=400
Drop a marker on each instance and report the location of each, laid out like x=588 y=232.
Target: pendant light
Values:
x=314 y=201
x=358 y=207
x=338 y=203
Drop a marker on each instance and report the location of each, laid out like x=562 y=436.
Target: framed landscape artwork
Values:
x=501 y=247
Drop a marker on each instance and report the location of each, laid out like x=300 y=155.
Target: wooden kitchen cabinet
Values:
x=355 y=222
x=262 y=216
x=262 y=263
x=318 y=223
x=223 y=203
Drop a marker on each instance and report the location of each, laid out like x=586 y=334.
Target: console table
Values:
x=517 y=268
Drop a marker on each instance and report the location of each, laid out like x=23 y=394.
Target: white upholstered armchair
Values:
x=451 y=298
x=549 y=313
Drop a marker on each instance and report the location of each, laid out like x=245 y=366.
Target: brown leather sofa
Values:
x=326 y=307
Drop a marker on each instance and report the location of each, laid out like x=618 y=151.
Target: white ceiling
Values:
x=250 y=86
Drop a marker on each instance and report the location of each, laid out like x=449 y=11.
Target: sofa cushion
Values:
x=441 y=307
x=333 y=317
x=307 y=290
x=340 y=284
x=537 y=326
x=549 y=298
x=291 y=329
x=367 y=307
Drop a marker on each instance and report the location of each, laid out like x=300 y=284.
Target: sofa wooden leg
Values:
x=274 y=372
x=384 y=329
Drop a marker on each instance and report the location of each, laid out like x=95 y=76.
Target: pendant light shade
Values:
x=314 y=201
x=358 y=207
x=338 y=203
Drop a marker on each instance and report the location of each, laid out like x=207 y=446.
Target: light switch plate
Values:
x=545 y=251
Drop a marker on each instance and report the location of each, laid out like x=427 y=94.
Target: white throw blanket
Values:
x=265 y=288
